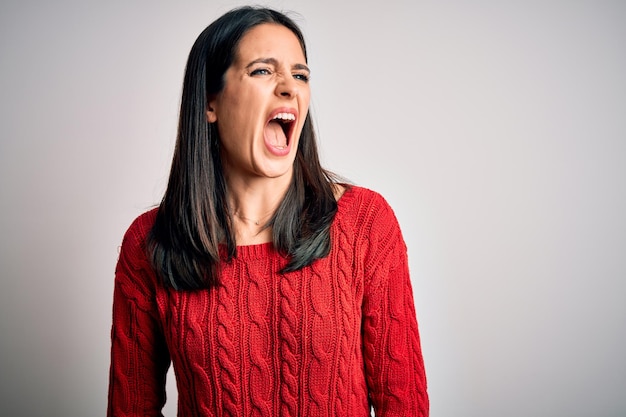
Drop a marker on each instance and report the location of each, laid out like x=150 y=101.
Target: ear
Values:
x=211 y=116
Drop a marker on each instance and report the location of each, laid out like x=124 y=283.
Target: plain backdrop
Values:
x=495 y=129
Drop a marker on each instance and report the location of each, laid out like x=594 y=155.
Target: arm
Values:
x=139 y=355
x=393 y=359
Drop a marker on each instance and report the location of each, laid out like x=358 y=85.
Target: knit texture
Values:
x=331 y=339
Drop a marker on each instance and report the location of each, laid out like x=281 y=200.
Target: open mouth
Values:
x=278 y=130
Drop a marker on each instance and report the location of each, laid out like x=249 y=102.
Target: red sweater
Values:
x=328 y=340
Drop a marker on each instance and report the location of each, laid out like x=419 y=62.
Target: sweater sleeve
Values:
x=139 y=355
x=393 y=359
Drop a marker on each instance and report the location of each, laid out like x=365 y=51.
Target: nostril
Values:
x=286 y=89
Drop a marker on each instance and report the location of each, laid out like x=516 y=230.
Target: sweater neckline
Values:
x=262 y=250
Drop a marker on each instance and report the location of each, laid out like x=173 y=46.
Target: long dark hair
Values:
x=193 y=231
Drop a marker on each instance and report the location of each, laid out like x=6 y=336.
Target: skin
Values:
x=269 y=73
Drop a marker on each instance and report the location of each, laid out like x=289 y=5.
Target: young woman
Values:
x=273 y=289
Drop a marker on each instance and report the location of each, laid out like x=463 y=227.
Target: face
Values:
x=262 y=108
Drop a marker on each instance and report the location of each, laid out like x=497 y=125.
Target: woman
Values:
x=273 y=289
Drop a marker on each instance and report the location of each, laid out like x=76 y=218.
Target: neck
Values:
x=255 y=201
x=252 y=204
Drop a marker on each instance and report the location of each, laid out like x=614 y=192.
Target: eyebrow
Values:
x=274 y=62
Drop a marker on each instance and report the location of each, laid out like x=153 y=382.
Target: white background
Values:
x=496 y=130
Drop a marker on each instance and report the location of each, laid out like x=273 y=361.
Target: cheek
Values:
x=304 y=108
x=305 y=99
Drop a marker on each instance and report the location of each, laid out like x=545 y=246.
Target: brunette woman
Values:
x=272 y=288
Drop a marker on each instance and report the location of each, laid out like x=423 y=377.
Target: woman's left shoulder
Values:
x=357 y=196
x=365 y=208
x=366 y=220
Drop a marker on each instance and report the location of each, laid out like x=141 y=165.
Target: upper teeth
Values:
x=285 y=116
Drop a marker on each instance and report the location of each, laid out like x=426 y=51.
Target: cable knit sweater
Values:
x=332 y=339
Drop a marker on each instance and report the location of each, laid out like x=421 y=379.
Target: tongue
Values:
x=275 y=135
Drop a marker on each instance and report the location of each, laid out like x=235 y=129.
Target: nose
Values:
x=287 y=87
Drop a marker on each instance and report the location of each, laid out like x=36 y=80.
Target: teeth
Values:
x=285 y=116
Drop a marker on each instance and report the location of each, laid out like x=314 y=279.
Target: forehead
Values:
x=270 y=41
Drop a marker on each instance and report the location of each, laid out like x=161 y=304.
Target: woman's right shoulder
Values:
x=134 y=275
x=137 y=233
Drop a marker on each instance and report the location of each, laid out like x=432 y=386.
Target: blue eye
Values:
x=302 y=77
x=260 y=71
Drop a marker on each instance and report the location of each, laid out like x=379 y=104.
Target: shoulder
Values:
x=141 y=226
x=356 y=195
x=365 y=216
x=144 y=221
x=134 y=275
x=136 y=236
x=366 y=221
x=364 y=206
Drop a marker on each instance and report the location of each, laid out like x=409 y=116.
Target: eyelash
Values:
x=302 y=77
x=265 y=71
x=259 y=71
